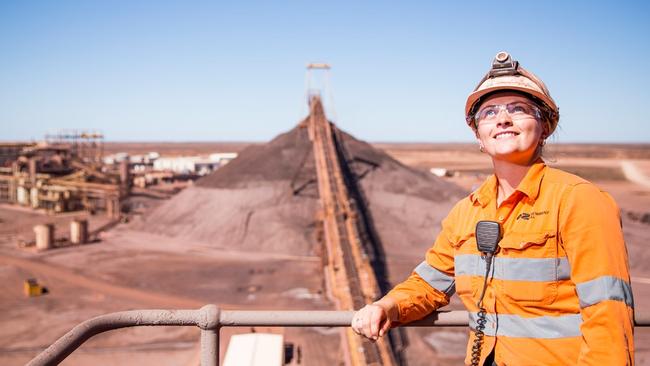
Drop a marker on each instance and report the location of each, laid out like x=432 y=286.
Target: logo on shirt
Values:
x=531 y=215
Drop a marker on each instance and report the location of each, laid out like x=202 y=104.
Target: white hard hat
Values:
x=506 y=74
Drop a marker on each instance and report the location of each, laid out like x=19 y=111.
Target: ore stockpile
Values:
x=316 y=190
x=266 y=200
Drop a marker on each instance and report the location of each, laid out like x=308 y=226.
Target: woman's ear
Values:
x=481 y=148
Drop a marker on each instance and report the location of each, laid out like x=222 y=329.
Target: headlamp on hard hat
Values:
x=502 y=65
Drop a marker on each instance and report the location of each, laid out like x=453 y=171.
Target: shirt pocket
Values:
x=466 y=265
x=528 y=267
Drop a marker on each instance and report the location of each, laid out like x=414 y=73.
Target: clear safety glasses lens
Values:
x=517 y=110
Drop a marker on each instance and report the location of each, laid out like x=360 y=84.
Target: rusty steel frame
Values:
x=210 y=319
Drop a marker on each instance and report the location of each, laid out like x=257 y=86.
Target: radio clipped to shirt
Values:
x=488 y=234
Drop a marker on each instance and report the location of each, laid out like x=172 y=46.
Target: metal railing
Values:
x=210 y=319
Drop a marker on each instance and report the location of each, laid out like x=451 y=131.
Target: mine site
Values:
x=314 y=219
x=255 y=183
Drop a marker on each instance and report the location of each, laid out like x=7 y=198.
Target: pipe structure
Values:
x=210 y=319
x=209 y=347
x=206 y=318
x=323 y=318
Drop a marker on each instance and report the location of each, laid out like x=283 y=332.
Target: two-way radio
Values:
x=488 y=234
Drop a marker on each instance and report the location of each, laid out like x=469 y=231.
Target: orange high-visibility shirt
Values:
x=559 y=289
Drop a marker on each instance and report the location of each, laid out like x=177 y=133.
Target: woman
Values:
x=558 y=289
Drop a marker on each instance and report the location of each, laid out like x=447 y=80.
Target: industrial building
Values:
x=62 y=173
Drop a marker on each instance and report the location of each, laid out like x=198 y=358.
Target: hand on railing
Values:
x=373 y=320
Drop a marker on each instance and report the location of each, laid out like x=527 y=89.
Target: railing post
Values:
x=210 y=336
x=209 y=347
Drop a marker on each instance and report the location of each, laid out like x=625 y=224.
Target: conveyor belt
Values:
x=350 y=274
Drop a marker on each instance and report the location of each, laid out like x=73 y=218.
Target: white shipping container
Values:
x=255 y=349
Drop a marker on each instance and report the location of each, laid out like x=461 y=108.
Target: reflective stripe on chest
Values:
x=514 y=269
x=516 y=326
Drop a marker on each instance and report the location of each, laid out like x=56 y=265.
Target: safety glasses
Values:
x=516 y=111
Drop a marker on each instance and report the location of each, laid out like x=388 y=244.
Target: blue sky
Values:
x=213 y=71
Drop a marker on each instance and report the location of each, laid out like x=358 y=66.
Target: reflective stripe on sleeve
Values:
x=604 y=288
x=548 y=327
x=436 y=279
x=515 y=269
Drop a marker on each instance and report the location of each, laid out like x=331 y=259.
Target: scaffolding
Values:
x=86 y=145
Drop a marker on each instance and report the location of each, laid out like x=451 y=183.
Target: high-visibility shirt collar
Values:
x=529 y=186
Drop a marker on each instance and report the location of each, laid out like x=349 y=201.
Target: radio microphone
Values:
x=488 y=234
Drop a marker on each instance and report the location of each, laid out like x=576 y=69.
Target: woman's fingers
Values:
x=370 y=322
x=385 y=326
x=366 y=321
x=356 y=322
x=376 y=316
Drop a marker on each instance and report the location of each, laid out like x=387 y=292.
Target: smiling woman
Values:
x=559 y=289
x=509 y=128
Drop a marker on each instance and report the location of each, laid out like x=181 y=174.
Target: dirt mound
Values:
x=280 y=160
x=266 y=200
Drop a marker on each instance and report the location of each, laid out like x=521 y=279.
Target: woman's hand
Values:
x=373 y=320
